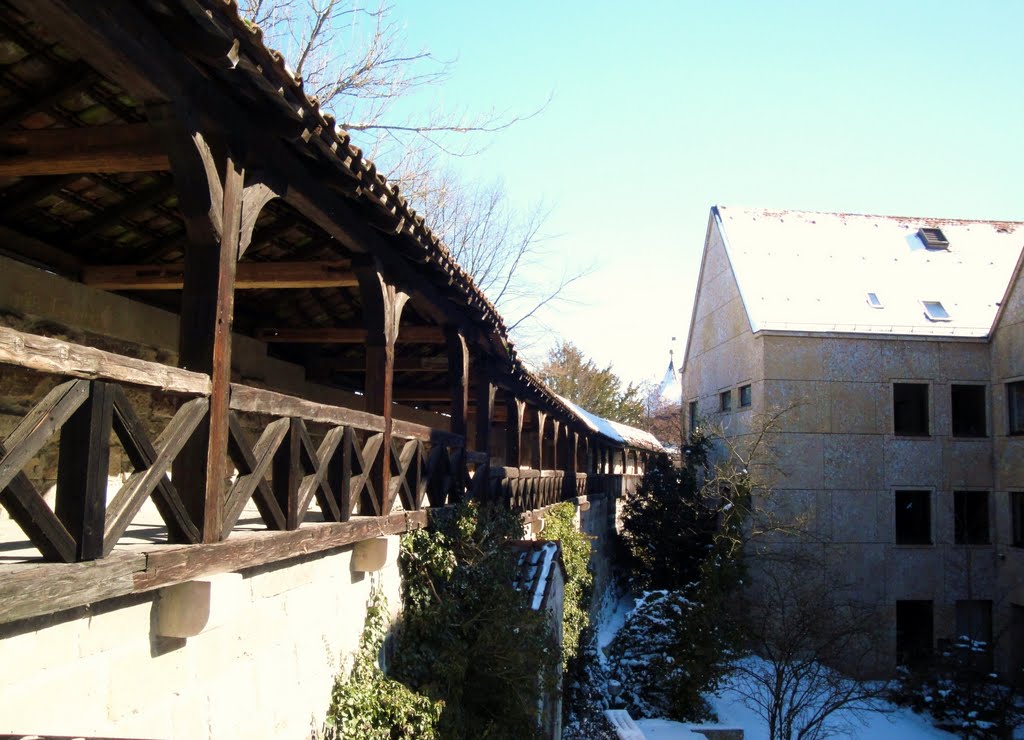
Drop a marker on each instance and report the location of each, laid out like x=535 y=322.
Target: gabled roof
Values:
x=537 y=561
x=806 y=271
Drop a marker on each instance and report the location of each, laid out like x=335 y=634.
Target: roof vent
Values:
x=933 y=238
x=935 y=311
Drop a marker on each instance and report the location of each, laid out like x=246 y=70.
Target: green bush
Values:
x=560 y=524
x=467 y=637
x=368 y=704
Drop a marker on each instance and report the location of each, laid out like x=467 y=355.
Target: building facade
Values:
x=892 y=348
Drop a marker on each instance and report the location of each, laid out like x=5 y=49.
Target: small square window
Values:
x=968 y=405
x=910 y=409
x=1015 y=407
x=970 y=517
x=744 y=395
x=933 y=238
x=935 y=311
x=725 y=401
x=913 y=518
x=1017 y=518
x=874 y=301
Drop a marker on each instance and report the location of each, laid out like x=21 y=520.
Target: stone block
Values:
x=853 y=461
x=913 y=463
x=852 y=360
x=1009 y=456
x=855 y=517
x=116 y=629
x=187 y=609
x=1007 y=359
x=913 y=572
x=969 y=573
x=969 y=463
x=855 y=407
x=804 y=404
x=853 y=570
x=280 y=577
x=909 y=359
x=961 y=362
x=793 y=358
x=371 y=556
x=798 y=460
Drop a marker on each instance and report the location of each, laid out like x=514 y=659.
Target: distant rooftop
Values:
x=843 y=272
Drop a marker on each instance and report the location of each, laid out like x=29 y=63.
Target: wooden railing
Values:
x=288 y=455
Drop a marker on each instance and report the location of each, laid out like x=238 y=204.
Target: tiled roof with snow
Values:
x=534 y=566
x=627 y=435
x=805 y=271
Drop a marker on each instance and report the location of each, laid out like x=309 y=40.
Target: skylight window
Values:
x=874 y=301
x=933 y=238
x=935 y=311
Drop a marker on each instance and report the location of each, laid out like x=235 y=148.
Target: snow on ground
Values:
x=614 y=610
x=666 y=729
x=895 y=723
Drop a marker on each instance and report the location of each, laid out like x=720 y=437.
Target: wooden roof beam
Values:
x=349 y=335
x=249 y=276
x=65 y=151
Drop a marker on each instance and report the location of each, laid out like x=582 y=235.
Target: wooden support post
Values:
x=458 y=378
x=557 y=447
x=485 y=390
x=214 y=200
x=82 y=471
x=287 y=474
x=382 y=314
x=571 y=445
x=538 y=456
x=514 y=432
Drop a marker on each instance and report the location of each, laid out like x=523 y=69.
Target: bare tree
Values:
x=355 y=60
x=814 y=649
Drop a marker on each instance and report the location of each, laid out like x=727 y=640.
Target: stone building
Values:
x=895 y=344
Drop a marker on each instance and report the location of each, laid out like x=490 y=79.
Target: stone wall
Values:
x=266 y=671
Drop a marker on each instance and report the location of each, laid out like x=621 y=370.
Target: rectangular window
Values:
x=725 y=401
x=1017 y=517
x=693 y=416
x=913 y=518
x=910 y=409
x=974 y=632
x=970 y=517
x=968 y=405
x=744 y=395
x=1015 y=407
x=915 y=637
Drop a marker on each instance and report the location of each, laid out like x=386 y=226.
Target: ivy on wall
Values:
x=560 y=524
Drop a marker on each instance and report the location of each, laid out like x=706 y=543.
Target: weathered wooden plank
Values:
x=410 y=430
x=250 y=549
x=82 y=467
x=318 y=482
x=64 y=358
x=259 y=401
x=151 y=462
x=36 y=428
x=32 y=589
x=28 y=509
x=348 y=335
x=250 y=275
x=64 y=151
x=287 y=474
x=252 y=463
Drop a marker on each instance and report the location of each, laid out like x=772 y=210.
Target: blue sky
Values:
x=663 y=109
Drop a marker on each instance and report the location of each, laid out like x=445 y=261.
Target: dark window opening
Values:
x=744 y=395
x=933 y=238
x=970 y=517
x=968 y=403
x=1015 y=407
x=725 y=401
x=693 y=416
x=1017 y=517
x=910 y=409
x=914 y=632
x=913 y=518
x=974 y=632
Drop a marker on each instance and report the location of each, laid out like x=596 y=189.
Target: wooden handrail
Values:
x=67 y=358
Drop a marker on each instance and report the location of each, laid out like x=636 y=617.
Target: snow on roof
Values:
x=820 y=272
x=627 y=435
x=536 y=562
